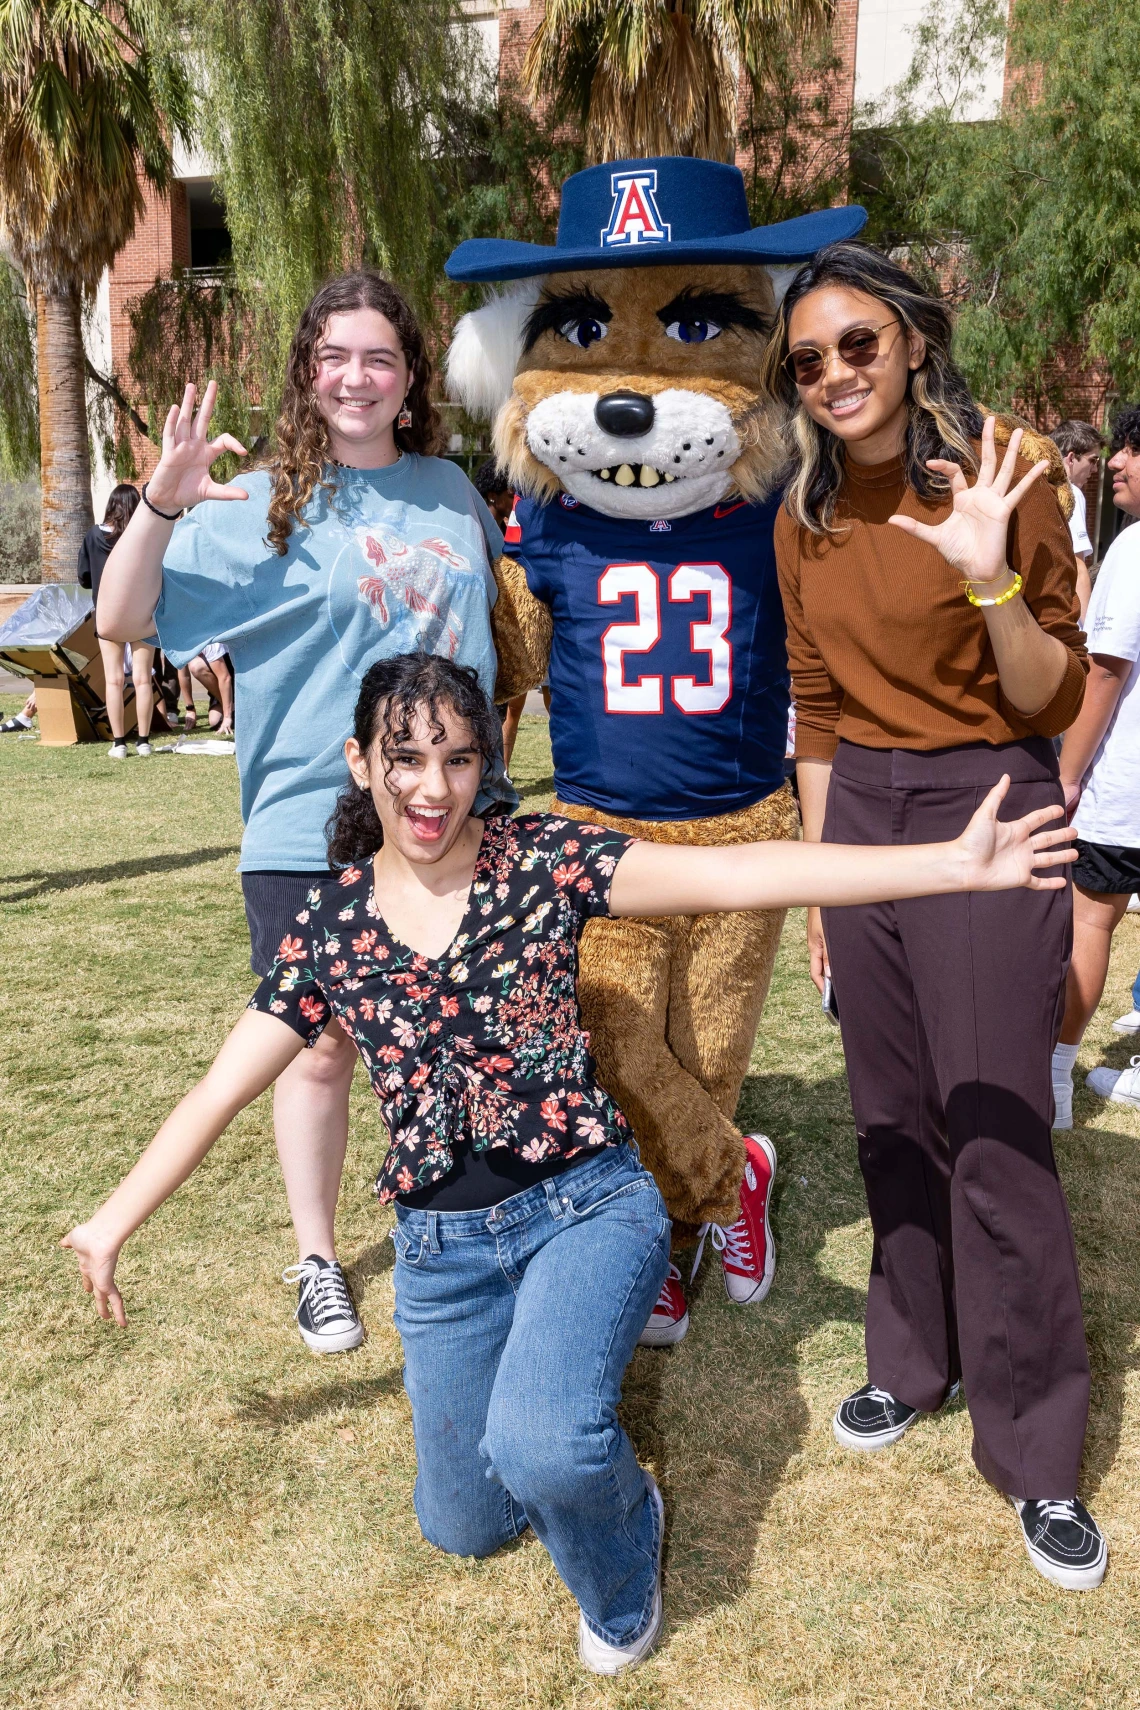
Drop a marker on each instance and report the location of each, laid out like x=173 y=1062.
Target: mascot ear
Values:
x=486 y=348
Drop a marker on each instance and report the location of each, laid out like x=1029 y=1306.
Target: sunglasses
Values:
x=858 y=348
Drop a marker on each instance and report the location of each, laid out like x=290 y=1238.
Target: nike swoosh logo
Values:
x=727 y=510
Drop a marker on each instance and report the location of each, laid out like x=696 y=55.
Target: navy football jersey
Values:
x=668 y=668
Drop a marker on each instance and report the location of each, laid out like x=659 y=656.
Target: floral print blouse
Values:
x=483 y=1044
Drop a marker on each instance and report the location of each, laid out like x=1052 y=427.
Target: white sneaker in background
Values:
x=1133 y=904
x=1129 y=1023
x=1063 y=1098
x=142 y=749
x=1121 y=1086
x=117 y=751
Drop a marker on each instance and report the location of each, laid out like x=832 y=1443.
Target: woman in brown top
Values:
x=934 y=643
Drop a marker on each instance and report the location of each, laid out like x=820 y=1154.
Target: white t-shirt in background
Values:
x=1109 y=810
x=1079 y=526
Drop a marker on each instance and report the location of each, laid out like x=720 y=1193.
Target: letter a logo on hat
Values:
x=634 y=219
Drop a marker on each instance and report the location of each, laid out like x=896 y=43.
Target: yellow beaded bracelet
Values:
x=1000 y=600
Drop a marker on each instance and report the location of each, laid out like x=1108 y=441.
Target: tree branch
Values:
x=108 y=384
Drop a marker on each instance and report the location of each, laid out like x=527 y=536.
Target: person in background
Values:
x=93 y=555
x=1100 y=772
x=354 y=542
x=211 y=668
x=1080 y=445
x=21 y=720
x=934 y=645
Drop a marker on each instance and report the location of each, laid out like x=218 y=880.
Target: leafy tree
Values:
x=794 y=137
x=19 y=424
x=644 y=77
x=89 y=99
x=1032 y=219
x=329 y=120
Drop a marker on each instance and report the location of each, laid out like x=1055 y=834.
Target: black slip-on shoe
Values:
x=1065 y=1543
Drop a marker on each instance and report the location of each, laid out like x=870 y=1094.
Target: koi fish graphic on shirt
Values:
x=417 y=575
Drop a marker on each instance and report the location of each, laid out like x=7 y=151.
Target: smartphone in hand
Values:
x=830 y=1003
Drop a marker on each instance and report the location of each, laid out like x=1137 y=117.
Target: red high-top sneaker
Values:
x=669 y=1319
x=747 y=1250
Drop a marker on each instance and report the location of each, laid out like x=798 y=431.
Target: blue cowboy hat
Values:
x=645 y=213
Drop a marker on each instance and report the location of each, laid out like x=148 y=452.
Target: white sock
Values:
x=26 y=722
x=1064 y=1059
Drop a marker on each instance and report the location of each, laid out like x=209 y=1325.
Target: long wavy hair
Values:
x=122 y=503
x=393 y=693
x=300 y=461
x=942 y=417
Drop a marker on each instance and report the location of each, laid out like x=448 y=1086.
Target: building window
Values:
x=210 y=246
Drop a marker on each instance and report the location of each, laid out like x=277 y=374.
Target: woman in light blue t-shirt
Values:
x=355 y=543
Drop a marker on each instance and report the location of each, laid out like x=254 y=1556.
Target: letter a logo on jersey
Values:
x=635 y=218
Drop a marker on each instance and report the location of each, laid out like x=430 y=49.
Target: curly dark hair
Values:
x=392 y=693
x=300 y=460
x=1126 y=429
x=943 y=418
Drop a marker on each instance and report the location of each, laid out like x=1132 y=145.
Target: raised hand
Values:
x=183 y=474
x=97 y=1271
x=1001 y=854
x=975 y=535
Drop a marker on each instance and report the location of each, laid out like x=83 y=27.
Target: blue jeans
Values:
x=517 y=1325
x=1136 y=992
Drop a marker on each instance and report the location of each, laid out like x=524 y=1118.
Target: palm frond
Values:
x=646 y=77
x=91 y=93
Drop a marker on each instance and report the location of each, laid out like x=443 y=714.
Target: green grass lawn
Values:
x=198 y=1513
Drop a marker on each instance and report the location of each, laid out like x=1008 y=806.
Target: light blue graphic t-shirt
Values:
x=397 y=561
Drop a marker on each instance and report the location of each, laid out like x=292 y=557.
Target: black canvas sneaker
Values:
x=873 y=1418
x=1065 y=1543
x=325 y=1314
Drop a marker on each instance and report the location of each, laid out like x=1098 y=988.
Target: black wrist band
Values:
x=167 y=516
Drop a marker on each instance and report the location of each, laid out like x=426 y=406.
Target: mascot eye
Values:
x=584 y=332
x=692 y=332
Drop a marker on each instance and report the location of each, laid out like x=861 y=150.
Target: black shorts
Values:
x=1106 y=868
x=272 y=903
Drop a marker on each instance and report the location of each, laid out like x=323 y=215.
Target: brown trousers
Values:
x=950 y=1007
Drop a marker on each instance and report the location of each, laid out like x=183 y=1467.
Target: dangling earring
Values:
x=404 y=419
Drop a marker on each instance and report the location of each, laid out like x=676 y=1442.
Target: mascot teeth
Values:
x=640 y=475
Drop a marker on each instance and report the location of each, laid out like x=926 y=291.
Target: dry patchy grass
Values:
x=198 y=1513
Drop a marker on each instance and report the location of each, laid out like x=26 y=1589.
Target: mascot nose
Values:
x=624 y=413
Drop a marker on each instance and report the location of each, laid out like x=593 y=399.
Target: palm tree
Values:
x=646 y=77
x=88 y=107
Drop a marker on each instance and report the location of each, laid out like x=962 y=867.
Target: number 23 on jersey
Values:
x=708 y=636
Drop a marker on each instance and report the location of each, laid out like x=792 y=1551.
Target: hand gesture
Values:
x=97 y=1264
x=183 y=474
x=1003 y=854
x=974 y=536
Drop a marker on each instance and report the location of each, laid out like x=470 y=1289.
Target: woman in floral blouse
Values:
x=530 y=1244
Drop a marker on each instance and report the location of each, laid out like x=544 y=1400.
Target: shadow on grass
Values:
x=1101 y=1173
x=373 y=1262
x=40 y=883
x=723 y=1414
x=275 y=1412
x=535 y=786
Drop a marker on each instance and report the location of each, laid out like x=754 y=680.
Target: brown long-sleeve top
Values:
x=885 y=649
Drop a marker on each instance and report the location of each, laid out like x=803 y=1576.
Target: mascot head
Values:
x=622 y=364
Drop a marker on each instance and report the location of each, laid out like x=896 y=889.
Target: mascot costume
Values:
x=621 y=367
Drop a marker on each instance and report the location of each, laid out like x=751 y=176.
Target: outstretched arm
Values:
x=258 y=1050
x=990 y=855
